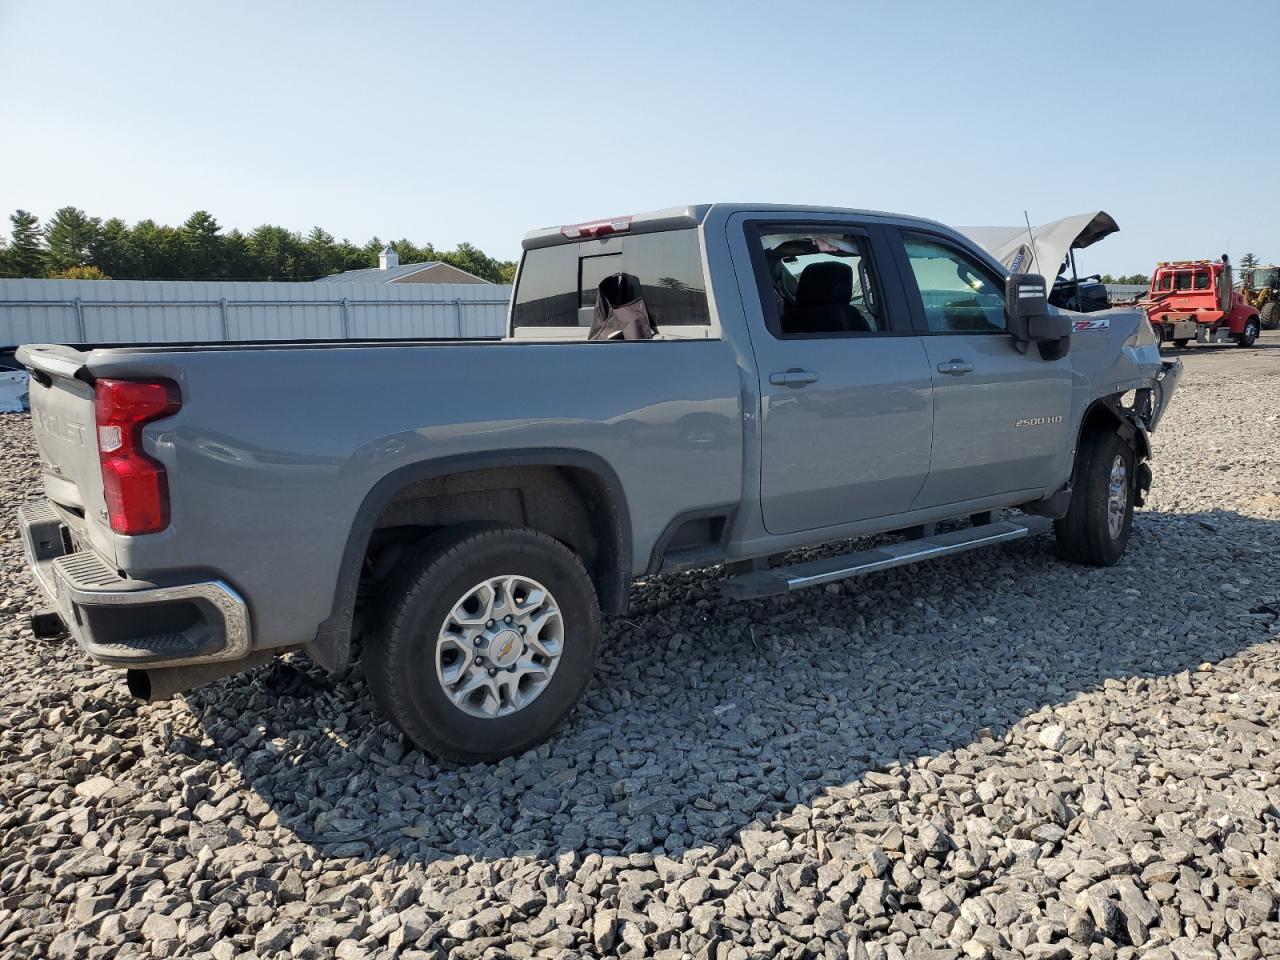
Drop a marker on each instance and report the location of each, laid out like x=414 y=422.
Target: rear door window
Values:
x=557 y=285
x=819 y=282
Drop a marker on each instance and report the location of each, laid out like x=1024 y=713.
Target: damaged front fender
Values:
x=1162 y=390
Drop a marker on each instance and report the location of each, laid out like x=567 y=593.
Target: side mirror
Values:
x=1026 y=298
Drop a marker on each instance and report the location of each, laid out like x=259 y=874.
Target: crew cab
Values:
x=714 y=384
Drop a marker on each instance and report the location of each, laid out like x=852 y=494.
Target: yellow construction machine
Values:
x=1262 y=292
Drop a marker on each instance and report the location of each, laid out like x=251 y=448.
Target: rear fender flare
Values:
x=331 y=647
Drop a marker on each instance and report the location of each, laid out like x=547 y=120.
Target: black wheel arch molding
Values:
x=331 y=646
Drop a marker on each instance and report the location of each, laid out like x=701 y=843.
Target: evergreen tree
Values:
x=277 y=253
x=1247 y=264
x=236 y=258
x=69 y=237
x=112 y=250
x=160 y=251
x=26 y=255
x=320 y=256
x=351 y=257
x=203 y=252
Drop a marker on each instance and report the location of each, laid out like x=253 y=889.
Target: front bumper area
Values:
x=1166 y=383
x=130 y=623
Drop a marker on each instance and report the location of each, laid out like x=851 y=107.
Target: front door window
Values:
x=959 y=296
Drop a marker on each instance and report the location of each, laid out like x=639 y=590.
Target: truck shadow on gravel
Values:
x=706 y=715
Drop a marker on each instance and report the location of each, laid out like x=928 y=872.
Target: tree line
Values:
x=73 y=245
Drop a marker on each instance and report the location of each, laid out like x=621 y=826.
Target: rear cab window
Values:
x=556 y=291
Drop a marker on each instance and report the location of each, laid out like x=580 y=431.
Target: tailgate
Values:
x=62 y=418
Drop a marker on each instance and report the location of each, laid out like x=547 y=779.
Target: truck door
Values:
x=846 y=399
x=1001 y=418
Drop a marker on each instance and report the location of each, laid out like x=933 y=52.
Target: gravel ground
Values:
x=992 y=756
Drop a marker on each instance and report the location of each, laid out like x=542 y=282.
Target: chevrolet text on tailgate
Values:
x=696 y=386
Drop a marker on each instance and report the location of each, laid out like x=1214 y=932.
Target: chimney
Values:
x=388 y=258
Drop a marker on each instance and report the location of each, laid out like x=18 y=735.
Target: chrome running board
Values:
x=779 y=580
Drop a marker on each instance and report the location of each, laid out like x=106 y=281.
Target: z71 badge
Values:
x=1098 y=323
x=1037 y=421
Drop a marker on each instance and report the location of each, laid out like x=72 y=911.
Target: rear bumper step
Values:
x=786 y=579
x=131 y=622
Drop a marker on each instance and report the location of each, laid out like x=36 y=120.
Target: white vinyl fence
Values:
x=178 y=311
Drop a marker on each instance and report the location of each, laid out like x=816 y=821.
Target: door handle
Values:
x=956 y=367
x=794 y=377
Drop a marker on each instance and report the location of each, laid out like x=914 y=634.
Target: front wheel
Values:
x=1096 y=529
x=1249 y=336
x=486 y=642
x=1271 y=315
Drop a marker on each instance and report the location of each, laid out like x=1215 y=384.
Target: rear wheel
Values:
x=1270 y=315
x=487 y=641
x=1096 y=529
x=1181 y=342
x=1249 y=335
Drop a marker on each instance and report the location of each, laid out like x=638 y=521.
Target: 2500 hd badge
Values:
x=1037 y=421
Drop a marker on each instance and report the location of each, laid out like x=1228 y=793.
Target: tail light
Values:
x=135 y=485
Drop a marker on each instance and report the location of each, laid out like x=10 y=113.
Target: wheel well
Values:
x=1112 y=415
x=568 y=494
x=570 y=503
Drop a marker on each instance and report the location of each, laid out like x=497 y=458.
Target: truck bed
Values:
x=277 y=446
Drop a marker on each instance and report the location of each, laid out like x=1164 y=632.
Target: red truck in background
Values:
x=1195 y=300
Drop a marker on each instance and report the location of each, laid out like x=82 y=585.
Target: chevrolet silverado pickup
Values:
x=714 y=384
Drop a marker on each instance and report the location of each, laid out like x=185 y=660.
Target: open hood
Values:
x=1047 y=245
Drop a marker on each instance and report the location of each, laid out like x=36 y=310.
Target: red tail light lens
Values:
x=135 y=485
x=596 y=228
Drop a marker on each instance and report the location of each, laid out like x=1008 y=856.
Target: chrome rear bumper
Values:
x=125 y=622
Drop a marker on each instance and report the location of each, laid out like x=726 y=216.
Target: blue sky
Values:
x=477 y=121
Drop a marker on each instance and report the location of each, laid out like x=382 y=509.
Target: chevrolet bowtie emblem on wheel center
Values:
x=504 y=648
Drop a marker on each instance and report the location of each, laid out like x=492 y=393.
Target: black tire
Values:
x=1249 y=336
x=1270 y=315
x=1162 y=335
x=1181 y=342
x=401 y=652
x=1084 y=534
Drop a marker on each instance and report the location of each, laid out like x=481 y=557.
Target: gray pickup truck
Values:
x=700 y=385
